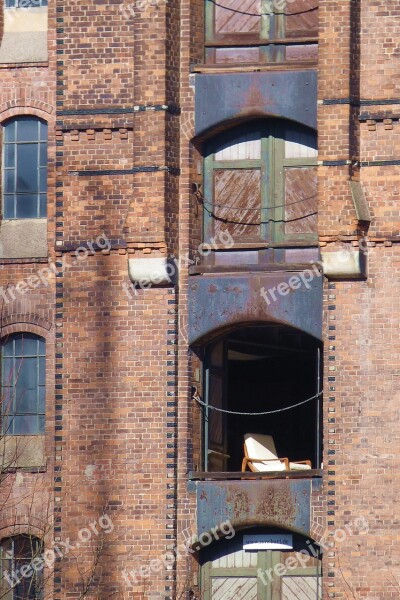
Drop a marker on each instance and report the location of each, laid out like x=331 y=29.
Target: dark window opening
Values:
x=255 y=370
x=261 y=31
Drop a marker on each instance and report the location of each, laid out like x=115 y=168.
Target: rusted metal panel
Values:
x=278 y=503
x=222 y=301
x=285 y=94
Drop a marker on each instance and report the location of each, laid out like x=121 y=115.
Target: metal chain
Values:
x=254 y=414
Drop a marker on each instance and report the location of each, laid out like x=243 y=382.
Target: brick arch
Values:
x=12 y=529
x=27 y=106
x=25 y=324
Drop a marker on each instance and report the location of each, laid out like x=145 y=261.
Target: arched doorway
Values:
x=241 y=569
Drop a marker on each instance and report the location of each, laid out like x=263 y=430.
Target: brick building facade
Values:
x=179 y=267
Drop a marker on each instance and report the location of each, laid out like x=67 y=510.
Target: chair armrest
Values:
x=302 y=462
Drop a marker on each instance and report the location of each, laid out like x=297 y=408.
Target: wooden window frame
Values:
x=271 y=164
x=272 y=40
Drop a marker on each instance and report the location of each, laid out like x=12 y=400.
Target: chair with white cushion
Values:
x=260 y=456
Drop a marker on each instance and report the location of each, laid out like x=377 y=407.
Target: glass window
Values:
x=24 y=168
x=25 y=3
x=261 y=184
x=18 y=582
x=261 y=31
x=23 y=384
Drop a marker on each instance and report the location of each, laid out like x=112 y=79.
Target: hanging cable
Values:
x=197 y=398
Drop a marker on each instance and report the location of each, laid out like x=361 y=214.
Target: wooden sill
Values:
x=236 y=43
x=246 y=67
x=221 y=476
x=248 y=268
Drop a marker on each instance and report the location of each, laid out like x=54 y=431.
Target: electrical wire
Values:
x=204 y=201
x=197 y=398
x=262 y=14
x=224 y=220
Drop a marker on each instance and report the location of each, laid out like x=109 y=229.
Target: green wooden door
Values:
x=236 y=574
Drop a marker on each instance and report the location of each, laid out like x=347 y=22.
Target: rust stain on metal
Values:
x=278 y=503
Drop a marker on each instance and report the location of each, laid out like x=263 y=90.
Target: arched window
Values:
x=260 y=183
x=24 y=168
x=23 y=357
x=21 y=568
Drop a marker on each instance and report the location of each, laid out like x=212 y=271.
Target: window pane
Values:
x=9 y=181
x=43 y=205
x=42 y=131
x=7 y=404
x=42 y=179
x=26 y=345
x=26 y=373
x=25 y=425
x=42 y=400
x=26 y=206
x=237 y=202
x=237 y=16
x=9 y=131
x=300 y=143
x=8 y=347
x=42 y=422
x=9 y=207
x=8 y=421
x=237 y=55
x=27 y=129
x=7 y=374
x=41 y=346
x=9 y=155
x=27 y=168
x=43 y=155
x=26 y=401
x=301 y=200
x=42 y=370
x=299 y=52
x=245 y=147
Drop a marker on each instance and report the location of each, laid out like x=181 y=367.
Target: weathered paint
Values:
x=283 y=94
x=217 y=302
x=273 y=503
